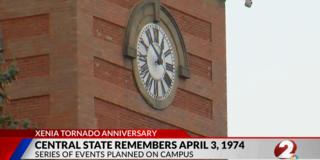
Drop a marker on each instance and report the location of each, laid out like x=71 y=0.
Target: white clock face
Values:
x=156 y=61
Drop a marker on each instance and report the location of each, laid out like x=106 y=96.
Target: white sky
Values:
x=273 y=57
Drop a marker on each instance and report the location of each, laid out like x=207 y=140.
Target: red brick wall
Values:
x=123 y=77
x=113 y=73
x=107 y=31
x=113 y=116
x=125 y=3
x=195 y=107
x=200 y=66
x=187 y=23
x=33 y=66
x=71 y=51
x=17 y=28
x=193 y=103
x=35 y=109
x=193 y=25
x=41 y=36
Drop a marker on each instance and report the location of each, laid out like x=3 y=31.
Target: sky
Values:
x=273 y=68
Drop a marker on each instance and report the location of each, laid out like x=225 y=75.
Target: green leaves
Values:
x=3 y=98
x=25 y=124
x=9 y=122
x=9 y=75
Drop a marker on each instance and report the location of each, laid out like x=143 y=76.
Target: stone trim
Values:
x=152 y=11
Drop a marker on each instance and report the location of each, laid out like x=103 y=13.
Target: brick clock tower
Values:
x=118 y=63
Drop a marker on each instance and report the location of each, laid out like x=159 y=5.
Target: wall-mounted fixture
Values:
x=248 y=3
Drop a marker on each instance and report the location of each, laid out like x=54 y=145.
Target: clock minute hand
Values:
x=159 y=61
x=155 y=50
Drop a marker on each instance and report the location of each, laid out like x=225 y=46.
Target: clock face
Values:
x=156 y=62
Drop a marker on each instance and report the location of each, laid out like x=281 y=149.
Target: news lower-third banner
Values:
x=149 y=144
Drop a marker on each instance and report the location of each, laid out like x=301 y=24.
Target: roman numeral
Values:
x=150 y=84
x=156 y=35
x=167 y=79
x=162 y=88
x=162 y=44
x=143 y=58
x=144 y=70
x=155 y=88
x=149 y=36
x=167 y=52
x=148 y=80
x=141 y=54
x=169 y=67
x=144 y=44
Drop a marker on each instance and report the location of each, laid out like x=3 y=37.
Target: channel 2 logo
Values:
x=286 y=150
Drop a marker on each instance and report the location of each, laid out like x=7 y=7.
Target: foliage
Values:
x=8 y=122
x=7 y=76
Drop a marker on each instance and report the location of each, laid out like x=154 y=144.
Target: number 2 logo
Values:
x=285 y=149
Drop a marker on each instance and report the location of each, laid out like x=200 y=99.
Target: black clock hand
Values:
x=159 y=61
x=155 y=50
x=161 y=47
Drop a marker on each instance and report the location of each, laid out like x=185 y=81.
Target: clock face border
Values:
x=156 y=61
x=152 y=11
x=156 y=103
